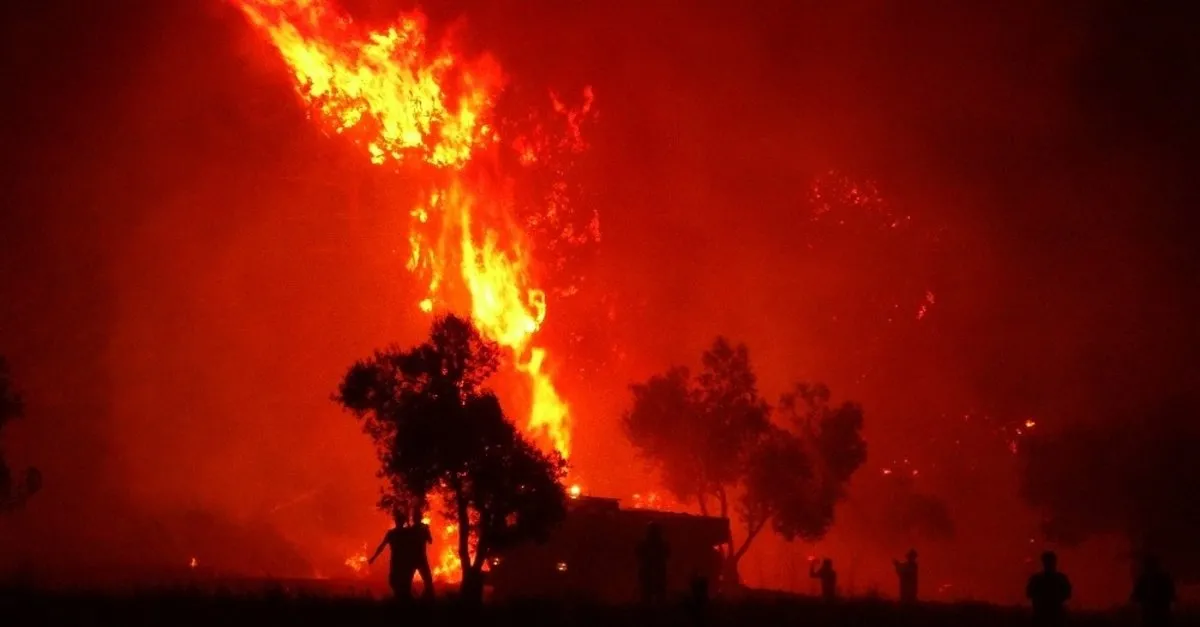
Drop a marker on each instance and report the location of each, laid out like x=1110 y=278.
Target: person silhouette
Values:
x=652 y=554
x=906 y=571
x=420 y=538
x=1048 y=591
x=828 y=578
x=397 y=541
x=1154 y=591
x=406 y=548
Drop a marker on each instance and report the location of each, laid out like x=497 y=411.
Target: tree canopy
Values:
x=1129 y=476
x=439 y=432
x=711 y=438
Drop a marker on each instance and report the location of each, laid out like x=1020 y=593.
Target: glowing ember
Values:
x=575 y=491
x=1029 y=423
x=833 y=190
x=408 y=104
x=192 y=563
x=650 y=500
x=924 y=308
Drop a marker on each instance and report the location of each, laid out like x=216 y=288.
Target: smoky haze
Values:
x=188 y=266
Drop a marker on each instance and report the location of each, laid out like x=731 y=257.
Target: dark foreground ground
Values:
x=228 y=610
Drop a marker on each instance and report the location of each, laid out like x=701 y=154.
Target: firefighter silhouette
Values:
x=406 y=547
x=906 y=571
x=652 y=554
x=1154 y=591
x=828 y=578
x=1049 y=591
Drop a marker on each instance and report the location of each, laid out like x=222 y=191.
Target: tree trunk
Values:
x=730 y=575
x=464 y=536
x=471 y=589
x=730 y=578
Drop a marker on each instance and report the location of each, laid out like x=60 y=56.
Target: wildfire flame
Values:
x=359 y=562
x=410 y=105
x=449 y=566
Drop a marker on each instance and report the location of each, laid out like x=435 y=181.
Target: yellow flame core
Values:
x=448 y=567
x=386 y=92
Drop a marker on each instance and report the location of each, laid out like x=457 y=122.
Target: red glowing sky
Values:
x=187 y=265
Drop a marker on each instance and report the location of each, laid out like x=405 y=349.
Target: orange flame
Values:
x=359 y=562
x=406 y=104
x=383 y=84
x=448 y=567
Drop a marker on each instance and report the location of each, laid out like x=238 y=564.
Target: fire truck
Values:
x=593 y=554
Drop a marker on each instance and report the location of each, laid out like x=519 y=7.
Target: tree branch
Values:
x=752 y=532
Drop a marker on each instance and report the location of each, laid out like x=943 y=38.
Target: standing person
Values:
x=420 y=538
x=399 y=541
x=1155 y=592
x=1049 y=591
x=652 y=553
x=828 y=578
x=906 y=571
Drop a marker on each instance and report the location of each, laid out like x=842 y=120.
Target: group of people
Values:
x=1048 y=590
x=906 y=571
x=407 y=543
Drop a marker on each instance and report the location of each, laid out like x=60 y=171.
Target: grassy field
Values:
x=217 y=609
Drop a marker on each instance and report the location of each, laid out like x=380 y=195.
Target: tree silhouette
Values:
x=440 y=433
x=13 y=494
x=1125 y=476
x=711 y=439
x=835 y=433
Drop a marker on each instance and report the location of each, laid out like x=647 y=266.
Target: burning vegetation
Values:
x=429 y=112
x=899 y=213
x=486 y=185
x=441 y=434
